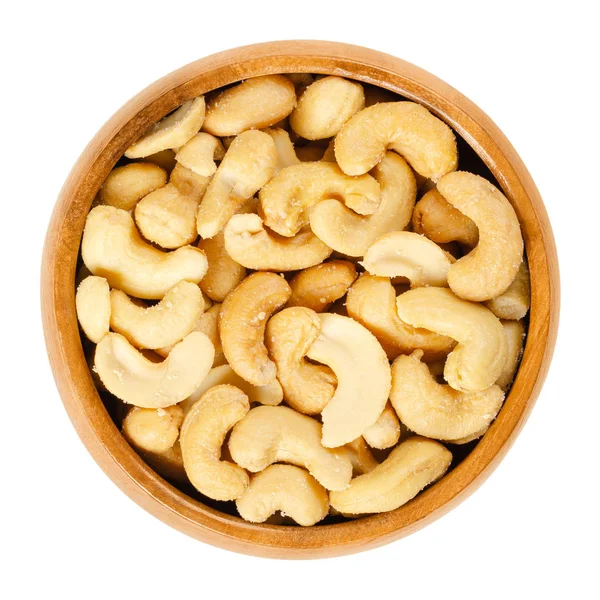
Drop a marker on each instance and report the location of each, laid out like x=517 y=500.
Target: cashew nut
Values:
x=363 y=374
x=253 y=104
x=92 y=302
x=270 y=434
x=360 y=455
x=284 y=488
x=427 y=144
x=112 y=248
x=242 y=320
x=202 y=434
x=480 y=355
x=153 y=430
x=385 y=432
x=200 y=153
x=289 y=334
x=329 y=154
x=409 y=468
x=489 y=269
x=165 y=159
x=515 y=335
x=189 y=184
x=286 y=155
x=513 y=304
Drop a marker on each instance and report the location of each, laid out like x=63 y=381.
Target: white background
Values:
x=531 y=531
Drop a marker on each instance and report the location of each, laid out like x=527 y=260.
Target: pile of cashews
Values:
x=300 y=299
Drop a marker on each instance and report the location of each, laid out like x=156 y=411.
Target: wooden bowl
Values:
x=73 y=378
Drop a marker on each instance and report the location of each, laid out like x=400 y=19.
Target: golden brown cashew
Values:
x=363 y=374
x=112 y=248
x=172 y=131
x=385 y=432
x=138 y=381
x=480 y=355
x=427 y=144
x=270 y=434
x=253 y=104
x=242 y=320
x=189 y=183
x=153 y=429
x=286 y=155
x=92 y=302
x=248 y=164
x=352 y=234
x=513 y=304
x=488 y=270
x=288 y=336
x=515 y=335
x=199 y=154
x=202 y=435
x=409 y=468
x=360 y=455
x=284 y=488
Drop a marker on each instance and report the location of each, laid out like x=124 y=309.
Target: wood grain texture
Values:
x=71 y=372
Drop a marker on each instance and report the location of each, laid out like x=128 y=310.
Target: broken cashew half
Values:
x=513 y=304
x=286 y=155
x=385 y=432
x=189 y=184
x=153 y=429
x=92 y=302
x=362 y=459
x=199 y=154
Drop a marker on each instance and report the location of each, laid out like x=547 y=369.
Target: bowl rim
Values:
x=73 y=379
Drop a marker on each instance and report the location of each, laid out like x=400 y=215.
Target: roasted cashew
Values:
x=489 y=269
x=289 y=334
x=385 y=432
x=513 y=304
x=92 y=302
x=189 y=184
x=270 y=434
x=409 y=468
x=515 y=335
x=253 y=104
x=286 y=155
x=363 y=374
x=199 y=154
x=112 y=248
x=427 y=144
x=480 y=355
x=360 y=455
x=153 y=430
x=242 y=320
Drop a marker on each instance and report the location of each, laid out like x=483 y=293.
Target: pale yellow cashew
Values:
x=131 y=377
x=92 y=302
x=153 y=430
x=286 y=200
x=248 y=164
x=352 y=234
x=202 y=434
x=427 y=144
x=285 y=488
x=253 y=104
x=515 y=335
x=171 y=132
x=242 y=320
x=189 y=184
x=270 y=434
x=360 y=455
x=409 y=468
x=112 y=248
x=513 y=304
x=480 y=355
x=363 y=375
x=385 y=432
x=289 y=334
x=199 y=154
x=286 y=155
x=489 y=269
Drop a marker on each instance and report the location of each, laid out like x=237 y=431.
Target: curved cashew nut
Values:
x=410 y=467
x=202 y=435
x=253 y=104
x=489 y=269
x=131 y=377
x=284 y=488
x=153 y=430
x=427 y=144
x=189 y=184
x=363 y=375
x=352 y=234
x=270 y=434
x=385 y=432
x=289 y=334
x=515 y=335
x=286 y=155
x=360 y=455
x=92 y=302
x=199 y=154
x=513 y=304
x=242 y=320
x=112 y=248
x=480 y=355
x=172 y=131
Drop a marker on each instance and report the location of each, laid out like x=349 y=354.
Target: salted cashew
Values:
x=112 y=248
x=270 y=434
x=165 y=159
x=427 y=144
x=410 y=467
x=513 y=304
x=92 y=302
x=153 y=429
x=189 y=184
x=479 y=357
x=515 y=335
x=385 y=432
x=311 y=153
x=202 y=434
x=360 y=455
x=286 y=155
x=248 y=164
x=163 y=324
x=285 y=488
x=126 y=185
x=363 y=374
x=199 y=154
x=253 y=104
x=131 y=377
x=325 y=106
x=242 y=320
x=437 y=219
x=171 y=132
x=352 y=234
x=319 y=286
x=251 y=245
x=289 y=334
x=372 y=302
x=286 y=200
x=489 y=269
